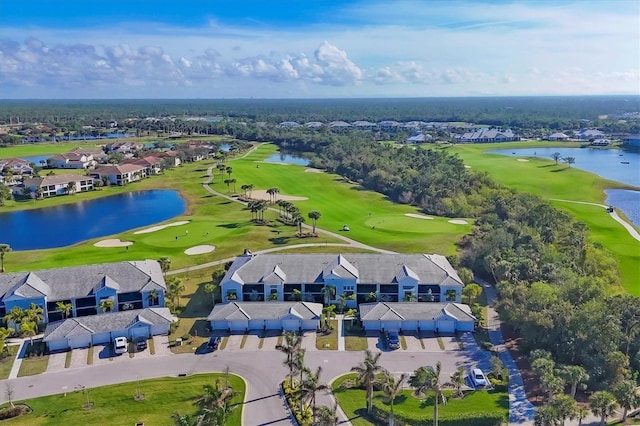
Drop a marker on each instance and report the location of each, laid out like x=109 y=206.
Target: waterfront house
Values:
x=54 y=185
x=120 y=174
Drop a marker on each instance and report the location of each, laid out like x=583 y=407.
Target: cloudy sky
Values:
x=317 y=49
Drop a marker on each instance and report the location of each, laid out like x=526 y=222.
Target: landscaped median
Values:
x=150 y=402
x=477 y=408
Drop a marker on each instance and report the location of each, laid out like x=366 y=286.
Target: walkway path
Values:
x=632 y=231
x=340 y=332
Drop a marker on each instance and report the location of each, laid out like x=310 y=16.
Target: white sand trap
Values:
x=458 y=222
x=467 y=167
x=524 y=160
x=418 y=216
x=200 y=249
x=261 y=194
x=160 y=227
x=312 y=170
x=113 y=242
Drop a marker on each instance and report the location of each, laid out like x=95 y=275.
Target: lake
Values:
x=603 y=162
x=287 y=158
x=35 y=159
x=68 y=224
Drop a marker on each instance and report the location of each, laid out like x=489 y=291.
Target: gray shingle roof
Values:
x=81 y=281
x=414 y=311
x=368 y=268
x=105 y=322
x=265 y=310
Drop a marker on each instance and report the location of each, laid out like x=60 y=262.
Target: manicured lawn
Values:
x=331 y=339
x=34 y=365
x=116 y=405
x=551 y=181
x=7 y=363
x=420 y=411
x=354 y=339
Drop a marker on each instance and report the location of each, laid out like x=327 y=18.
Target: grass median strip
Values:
x=440 y=343
x=244 y=341
x=90 y=355
x=67 y=359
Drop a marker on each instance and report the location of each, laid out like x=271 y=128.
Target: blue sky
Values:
x=317 y=49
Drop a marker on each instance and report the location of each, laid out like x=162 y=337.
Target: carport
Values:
x=270 y=315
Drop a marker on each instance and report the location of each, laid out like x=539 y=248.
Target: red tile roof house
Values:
x=17 y=166
x=173 y=156
x=151 y=164
x=121 y=174
x=58 y=185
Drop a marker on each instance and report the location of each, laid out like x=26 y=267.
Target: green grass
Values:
x=34 y=365
x=116 y=405
x=67 y=360
x=29 y=150
x=244 y=340
x=152 y=346
x=420 y=411
x=90 y=355
x=355 y=339
x=328 y=341
x=551 y=181
x=7 y=362
x=223 y=342
x=403 y=343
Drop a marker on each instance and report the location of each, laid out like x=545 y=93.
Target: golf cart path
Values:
x=632 y=231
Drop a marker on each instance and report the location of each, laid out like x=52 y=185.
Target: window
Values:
x=348 y=288
x=232 y=295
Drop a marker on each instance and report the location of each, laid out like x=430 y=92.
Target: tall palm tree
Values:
x=299 y=367
x=367 y=372
x=4 y=334
x=457 y=382
x=214 y=403
x=35 y=313
x=392 y=389
x=574 y=375
x=4 y=249
x=428 y=379
x=602 y=404
x=314 y=216
x=327 y=416
x=292 y=344
x=228 y=183
x=165 y=264
x=626 y=394
x=229 y=170
x=311 y=385
x=15 y=315
x=176 y=288
x=298 y=219
x=64 y=307
x=29 y=329
x=153 y=297
x=328 y=293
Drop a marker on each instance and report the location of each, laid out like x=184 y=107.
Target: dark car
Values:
x=213 y=344
x=393 y=339
x=141 y=344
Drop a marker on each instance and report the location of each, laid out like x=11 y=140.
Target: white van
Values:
x=120 y=345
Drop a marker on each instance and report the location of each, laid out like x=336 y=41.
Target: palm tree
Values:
x=292 y=344
x=35 y=313
x=249 y=189
x=602 y=404
x=165 y=264
x=372 y=297
x=574 y=375
x=106 y=305
x=343 y=299
x=564 y=406
x=214 y=403
x=392 y=388
x=153 y=297
x=29 y=329
x=64 y=307
x=244 y=189
x=4 y=249
x=176 y=288
x=457 y=381
x=409 y=297
x=299 y=367
x=627 y=396
x=228 y=183
x=327 y=416
x=229 y=170
x=311 y=385
x=428 y=379
x=328 y=292
x=4 y=334
x=298 y=220
x=15 y=315
x=314 y=216
x=367 y=372
x=71 y=188
x=296 y=295
x=221 y=168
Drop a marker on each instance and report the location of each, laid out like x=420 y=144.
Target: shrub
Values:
x=304 y=418
x=498 y=385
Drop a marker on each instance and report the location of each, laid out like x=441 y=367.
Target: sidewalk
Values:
x=17 y=363
x=340 y=319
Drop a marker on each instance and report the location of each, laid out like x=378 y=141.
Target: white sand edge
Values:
x=207 y=248
x=113 y=242
x=312 y=170
x=418 y=216
x=161 y=227
x=467 y=167
x=458 y=222
x=261 y=194
x=524 y=160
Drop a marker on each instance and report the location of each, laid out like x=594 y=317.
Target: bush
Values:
x=9 y=412
x=498 y=385
x=381 y=416
x=304 y=418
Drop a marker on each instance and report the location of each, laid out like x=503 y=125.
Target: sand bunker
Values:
x=261 y=194
x=312 y=170
x=113 y=242
x=524 y=160
x=160 y=227
x=467 y=167
x=458 y=222
x=200 y=249
x=418 y=216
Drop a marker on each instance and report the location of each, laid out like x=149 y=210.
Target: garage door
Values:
x=256 y=324
x=58 y=345
x=159 y=329
x=238 y=325
x=220 y=324
x=391 y=325
x=371 y=325
x=100 y=338
x=310 y=325
x=410 y=325
x=291 y=325
x=427 y=325
x=465 y=326
x=274 y=324
x=446 y=326
x=119 y=333
x=139 y=332
x=79 y=341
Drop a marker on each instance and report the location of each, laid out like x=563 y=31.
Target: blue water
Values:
x=69 y=224
x=603 y=162
x=36 y=159
x=225 y=147
x=627 y=201
x=286 y=158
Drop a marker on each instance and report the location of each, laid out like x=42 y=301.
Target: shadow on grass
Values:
x=200 y=328
x=199 y=304
x=228 y=225
x=279 y=240
x=559 y=170
x=547 y=165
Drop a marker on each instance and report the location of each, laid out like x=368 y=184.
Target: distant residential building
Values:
x=97 y=153
x=589 y=134
x=339 y=125
x=17 y=166
x=51 y=186
x=289 y=125
x=558 y=137
x=601 y=142
x=631 y=140
x=419 y=138
x=361 y=124
x=124 y=147
x=71 y=160
x=152 y=164
x=172 y=156
x=314 y=124
x=389 y=124
x=120 y=174
x=489 y=135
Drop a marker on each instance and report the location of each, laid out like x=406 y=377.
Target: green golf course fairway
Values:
x=543 y=177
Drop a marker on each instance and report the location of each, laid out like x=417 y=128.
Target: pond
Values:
x=627 y=201
x=68 y=224
x=287 y=158
x=35 y=159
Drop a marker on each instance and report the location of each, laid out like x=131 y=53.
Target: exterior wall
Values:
x=139 y=330
x=465 y=326
x=58 y=345
x=219 y=325
x=443 y=293
x=83 y=341
x=229 y=287
x=159 y=329
x=99 y=338
x=26 y=304
x=371 y=325
x=146 y=302
x=446 y=326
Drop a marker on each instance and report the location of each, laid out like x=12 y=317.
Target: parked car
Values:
x=213 y=344
x=120 y=345
x=141 y=344
x=478 y=378
x=393 y=339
